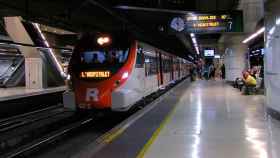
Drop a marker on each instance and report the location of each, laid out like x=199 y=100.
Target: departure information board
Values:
x=208 y=23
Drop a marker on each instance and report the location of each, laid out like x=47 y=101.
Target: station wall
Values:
x=272 y=54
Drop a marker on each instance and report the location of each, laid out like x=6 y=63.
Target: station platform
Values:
x=19 y=100
x=21 y=92
x=204 y=119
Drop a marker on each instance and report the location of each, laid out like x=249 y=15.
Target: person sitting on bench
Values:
x=249 y=82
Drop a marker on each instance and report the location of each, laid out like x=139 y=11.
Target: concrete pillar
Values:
x=17 y=33
x=272 y=55
x=33 y=61
x=253 y=11
x=234 y=57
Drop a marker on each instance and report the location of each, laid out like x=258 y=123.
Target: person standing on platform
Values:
x=212 y=72
x=223 y=71
x=192 y=73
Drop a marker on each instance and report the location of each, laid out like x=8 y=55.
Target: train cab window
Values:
x=104 y=58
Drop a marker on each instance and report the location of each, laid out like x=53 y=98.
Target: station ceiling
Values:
x=106 y=15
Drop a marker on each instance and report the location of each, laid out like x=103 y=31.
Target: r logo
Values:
x=92 y=94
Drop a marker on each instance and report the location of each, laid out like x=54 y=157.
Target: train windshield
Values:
x=104 y=58
x=101 y=64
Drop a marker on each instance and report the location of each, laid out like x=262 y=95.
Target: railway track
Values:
x=60 y=133
x=18 y=131
x=24 y=119
x=48 y=138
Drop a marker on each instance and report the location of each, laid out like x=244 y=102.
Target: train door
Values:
x=160 y=68
x=172 y=68
x=179 y=68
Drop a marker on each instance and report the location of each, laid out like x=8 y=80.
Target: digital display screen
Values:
x=209 y=52
x=95 y=74
x=208 y=23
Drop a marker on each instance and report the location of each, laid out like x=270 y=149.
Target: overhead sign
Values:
x=208 y=23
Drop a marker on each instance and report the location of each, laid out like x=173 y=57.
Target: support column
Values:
x=235 y=56
x=33 y=61
x=272 y=56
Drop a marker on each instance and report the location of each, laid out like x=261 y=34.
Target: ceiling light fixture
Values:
x=254 y=35
x=277 y=22
x=195 y=44
x=50 y=50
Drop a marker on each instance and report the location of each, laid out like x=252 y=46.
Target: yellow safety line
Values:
x=144 y=150
x=109 y=138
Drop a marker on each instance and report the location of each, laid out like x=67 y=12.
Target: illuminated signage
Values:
x=95 y=74
x=217 y=56
x=208 y=17
x=209 y=52
x=208 y=23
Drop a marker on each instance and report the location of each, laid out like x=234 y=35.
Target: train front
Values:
x=100 y=64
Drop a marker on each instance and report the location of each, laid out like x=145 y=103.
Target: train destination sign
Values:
x=95 y=74
x=208 y=23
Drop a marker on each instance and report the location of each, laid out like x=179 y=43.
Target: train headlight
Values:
x=125 y=75
x=103 y=40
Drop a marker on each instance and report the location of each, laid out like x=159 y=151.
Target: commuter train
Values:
x=114 y=72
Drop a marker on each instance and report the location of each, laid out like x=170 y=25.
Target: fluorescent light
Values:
x=197 y=50
x=254 y=35
x=51 y=51
x=272 y=30
x=277 y=21
x=195 y=43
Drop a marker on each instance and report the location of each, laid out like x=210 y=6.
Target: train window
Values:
x=167 y=65
x=140 y=58
x=150 y=65
x=93 y=57
x=177 y=65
